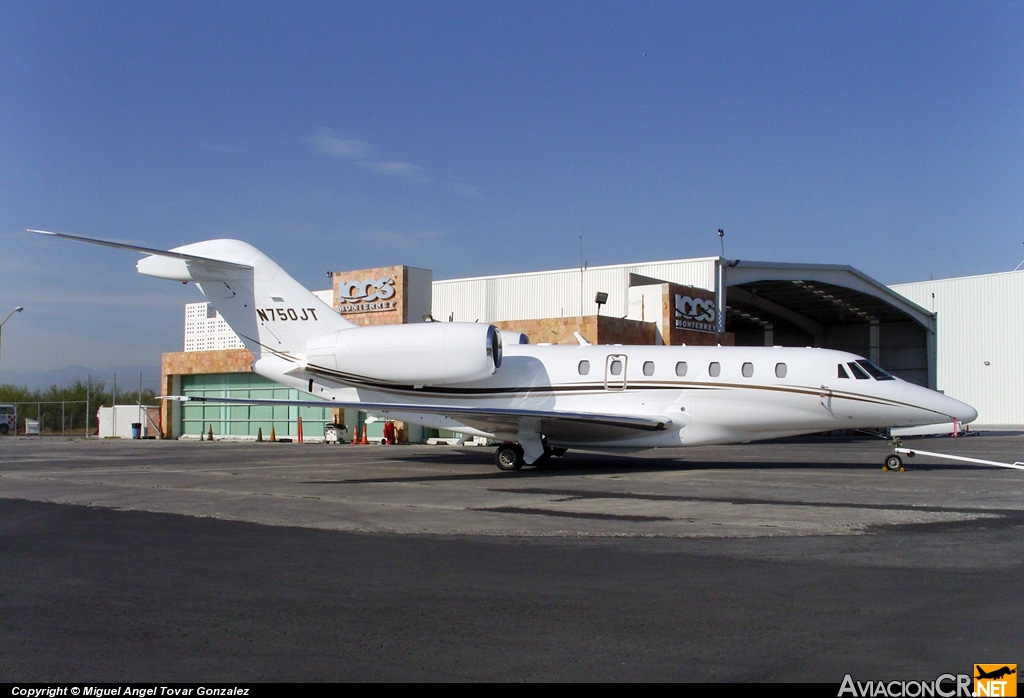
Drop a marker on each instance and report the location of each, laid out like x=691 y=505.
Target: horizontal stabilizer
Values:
x=144 y=250
x=269 y=311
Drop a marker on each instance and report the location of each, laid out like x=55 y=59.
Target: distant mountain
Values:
x=127 y=377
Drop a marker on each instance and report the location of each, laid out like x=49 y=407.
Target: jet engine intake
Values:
x=422 y=354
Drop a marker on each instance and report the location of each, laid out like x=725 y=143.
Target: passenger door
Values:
x=615 y=372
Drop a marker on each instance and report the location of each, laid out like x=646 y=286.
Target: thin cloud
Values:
x=406 y=170
x=327 y=142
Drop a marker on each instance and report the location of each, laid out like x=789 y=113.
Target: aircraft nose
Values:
x=955 y=409
x=938 y=404
x=963 y=412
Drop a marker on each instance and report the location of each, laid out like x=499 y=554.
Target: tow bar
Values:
x=894 y=462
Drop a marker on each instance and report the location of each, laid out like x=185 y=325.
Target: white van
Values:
x=8 y=419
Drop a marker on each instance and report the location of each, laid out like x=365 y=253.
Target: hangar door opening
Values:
x=871 y=322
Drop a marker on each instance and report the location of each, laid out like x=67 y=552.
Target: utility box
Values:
x=124 y=422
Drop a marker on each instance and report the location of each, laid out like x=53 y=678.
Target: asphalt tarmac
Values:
x=184 y=561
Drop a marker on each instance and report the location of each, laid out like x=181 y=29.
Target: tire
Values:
x=508 y=457
x=3 y=429
x=893 y=462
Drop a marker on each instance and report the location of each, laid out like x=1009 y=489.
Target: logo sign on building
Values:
x=367 y=295
x=694 y=313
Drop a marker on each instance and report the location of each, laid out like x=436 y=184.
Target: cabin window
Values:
x=714 y=369
x=858 y=372
x=584 y=367
x=748 y=369
x=648 y=368
x=842 y=371
x=616 y=368
x=681 y=369
x=781 y=370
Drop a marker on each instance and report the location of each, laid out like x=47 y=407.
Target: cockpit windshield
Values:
x=877 y=372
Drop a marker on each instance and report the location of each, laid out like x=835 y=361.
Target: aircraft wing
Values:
x=555 y=424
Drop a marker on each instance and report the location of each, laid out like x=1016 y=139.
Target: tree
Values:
x=62 y=410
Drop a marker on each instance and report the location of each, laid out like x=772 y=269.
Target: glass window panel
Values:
x=858 y=372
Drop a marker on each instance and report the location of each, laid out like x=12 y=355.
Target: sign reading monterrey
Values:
x=366 y=296
x=694 y=313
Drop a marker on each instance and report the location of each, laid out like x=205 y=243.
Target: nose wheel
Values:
x=893 y=462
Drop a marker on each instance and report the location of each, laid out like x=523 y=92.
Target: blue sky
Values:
x=485 y=137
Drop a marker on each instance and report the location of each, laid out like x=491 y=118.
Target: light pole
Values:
x=16 y=310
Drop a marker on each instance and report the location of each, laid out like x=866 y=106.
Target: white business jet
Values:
x=536 y=400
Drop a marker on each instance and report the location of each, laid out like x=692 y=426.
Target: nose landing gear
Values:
x=893 y=462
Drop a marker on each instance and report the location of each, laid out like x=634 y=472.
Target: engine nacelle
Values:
x=421 y=354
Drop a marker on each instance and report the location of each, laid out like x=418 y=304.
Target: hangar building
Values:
x=757 y=303
x=707 y=300
x=980 y=328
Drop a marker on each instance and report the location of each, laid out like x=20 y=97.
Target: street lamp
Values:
x=16 y=310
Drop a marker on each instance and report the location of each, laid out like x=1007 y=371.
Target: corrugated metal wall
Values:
x=564 y=293
x=980 y=340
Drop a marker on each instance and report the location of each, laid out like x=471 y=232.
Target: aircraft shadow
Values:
x=574 y=464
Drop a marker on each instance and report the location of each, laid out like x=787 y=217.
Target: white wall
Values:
x=562 y=293
x=124 y=416
x=980 y=328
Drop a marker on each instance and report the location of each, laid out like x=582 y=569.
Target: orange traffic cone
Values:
x=355 y=436
x=364 y=441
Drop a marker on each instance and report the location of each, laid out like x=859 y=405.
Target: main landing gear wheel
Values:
x=893 y=462
x=509 y=457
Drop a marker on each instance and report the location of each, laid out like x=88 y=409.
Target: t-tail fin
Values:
x=271 y=312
